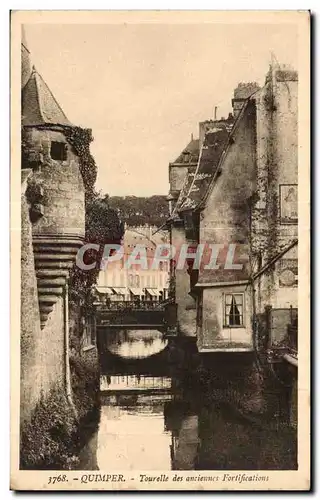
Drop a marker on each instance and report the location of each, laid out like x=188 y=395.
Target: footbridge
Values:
x=130 y=314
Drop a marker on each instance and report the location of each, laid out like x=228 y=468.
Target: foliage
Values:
x=102 y=224
x=46 y=441
x=138 y=211
x=80 y=139
x=102 y=227
x=85 y=383
x=52 y=438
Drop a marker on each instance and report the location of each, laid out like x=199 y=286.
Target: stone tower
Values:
x=56 y=188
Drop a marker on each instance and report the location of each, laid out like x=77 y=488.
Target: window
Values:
x=58 y=151
x=137 y=280
x=233 y=309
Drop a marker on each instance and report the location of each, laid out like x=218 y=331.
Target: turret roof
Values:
x=39 y=106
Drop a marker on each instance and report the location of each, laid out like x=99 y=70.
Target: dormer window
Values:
x=58 y=151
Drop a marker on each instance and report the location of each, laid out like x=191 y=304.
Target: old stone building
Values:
x=183 y=220
x=181 y=173
x=117 y=282
x=241 y=199
x=53 y=225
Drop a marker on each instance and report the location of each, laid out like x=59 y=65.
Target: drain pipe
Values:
x=67 y=352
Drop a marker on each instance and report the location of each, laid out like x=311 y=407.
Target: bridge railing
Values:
x=292 y=339
x=127 y=305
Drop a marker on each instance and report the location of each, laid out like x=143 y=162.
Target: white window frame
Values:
x=225 y=325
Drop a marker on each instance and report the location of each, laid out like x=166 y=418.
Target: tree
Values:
x=103 y=226
x=138 y=211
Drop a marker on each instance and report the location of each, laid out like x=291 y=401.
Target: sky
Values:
x=143 y=88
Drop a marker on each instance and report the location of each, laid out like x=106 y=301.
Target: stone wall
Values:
x=30 y=388
x=49 y=245
x=277 y=164
x=226 y=217
x=186 y=306
x=63 y=190
x=272 y=289
x=277 y=170
x=42 y=351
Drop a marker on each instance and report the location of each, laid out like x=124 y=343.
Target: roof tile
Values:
x=39 y=106
x=214 y=144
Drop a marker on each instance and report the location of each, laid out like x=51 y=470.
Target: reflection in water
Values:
x=135 y=344
x=133 y=383
x=132 y=423
x=145 y=425
x=132 y=436
x=159 y=423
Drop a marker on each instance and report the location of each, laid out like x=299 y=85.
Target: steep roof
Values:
x=213 y=146
x=191 y=151
x=39 y=106
x=224 y=154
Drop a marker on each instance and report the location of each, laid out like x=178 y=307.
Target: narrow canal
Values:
x=157 y=422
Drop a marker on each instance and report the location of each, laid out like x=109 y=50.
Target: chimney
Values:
x=241 y=94
x=215 y=112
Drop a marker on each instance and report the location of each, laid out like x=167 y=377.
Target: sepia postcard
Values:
x=160 y=171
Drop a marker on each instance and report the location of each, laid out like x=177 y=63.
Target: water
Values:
x=135 y=344
x=155 y=423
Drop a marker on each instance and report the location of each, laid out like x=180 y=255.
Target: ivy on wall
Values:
x=80 y=139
